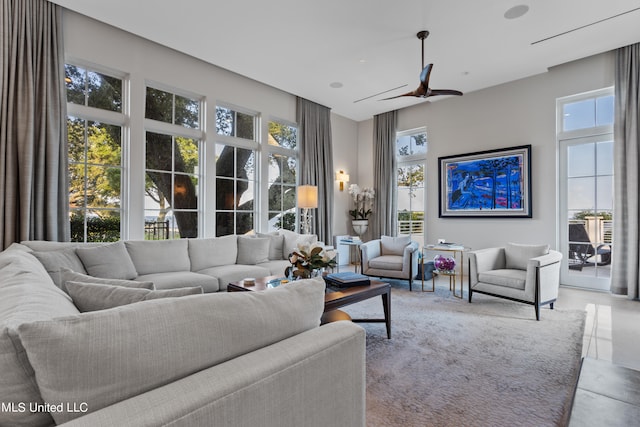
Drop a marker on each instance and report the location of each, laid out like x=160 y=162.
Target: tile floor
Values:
x=612 y=329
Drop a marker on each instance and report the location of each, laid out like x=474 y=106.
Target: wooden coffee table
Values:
x=335 y=299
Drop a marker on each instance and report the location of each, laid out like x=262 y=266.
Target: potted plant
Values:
x=309 y=261
x=362 y=198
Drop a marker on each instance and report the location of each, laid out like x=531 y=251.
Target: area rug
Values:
x=451 y=363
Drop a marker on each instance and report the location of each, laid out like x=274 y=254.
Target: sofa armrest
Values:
x=548 y=274
x=302 y=376
x=410 y=258
x=368 y=251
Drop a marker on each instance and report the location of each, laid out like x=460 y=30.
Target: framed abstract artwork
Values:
x=493 y=183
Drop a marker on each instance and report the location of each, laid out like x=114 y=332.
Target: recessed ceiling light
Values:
x=516 y=11
x=336 y=85
x=362 y=61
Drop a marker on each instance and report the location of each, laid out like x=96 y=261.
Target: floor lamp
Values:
x=307 y=199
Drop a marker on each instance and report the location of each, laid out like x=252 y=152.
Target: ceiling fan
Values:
x=424 y=91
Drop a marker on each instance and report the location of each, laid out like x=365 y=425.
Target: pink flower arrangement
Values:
x=444 y=264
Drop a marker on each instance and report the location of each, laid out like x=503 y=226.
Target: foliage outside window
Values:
x=95 y=155
x=282 y=176
x=172 y=167
x=235 y=123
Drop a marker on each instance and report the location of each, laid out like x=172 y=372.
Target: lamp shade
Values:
x=342 y=177
x=307 y=196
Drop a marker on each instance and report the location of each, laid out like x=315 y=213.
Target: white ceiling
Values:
x=370 y=46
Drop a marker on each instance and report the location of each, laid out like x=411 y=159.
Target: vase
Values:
x=360 y=226
x=446 y=265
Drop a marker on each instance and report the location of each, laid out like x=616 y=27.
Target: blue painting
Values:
x=490 y=183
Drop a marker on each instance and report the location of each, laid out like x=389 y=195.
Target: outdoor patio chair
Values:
x=582 y=252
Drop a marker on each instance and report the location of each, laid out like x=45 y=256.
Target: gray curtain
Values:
x=33 y=147
x=625 y=274
x=316 y=162
x=385 y=218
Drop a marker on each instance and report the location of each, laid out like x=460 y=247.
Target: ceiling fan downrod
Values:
x=422 y=35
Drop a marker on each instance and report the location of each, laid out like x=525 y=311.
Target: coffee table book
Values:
x=347 y=279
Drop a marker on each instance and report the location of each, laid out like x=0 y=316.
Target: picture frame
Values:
x=486 y=184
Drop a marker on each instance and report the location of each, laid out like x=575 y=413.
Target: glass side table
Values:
x=351 y=244
x=455 y=249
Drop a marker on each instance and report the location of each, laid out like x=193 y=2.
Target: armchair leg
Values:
x=551 y=306
x=470 y=292
x=537 y=307
x=410 y=283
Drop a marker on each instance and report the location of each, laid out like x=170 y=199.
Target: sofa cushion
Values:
x=276 y=244
x=291 y=240
x=28 y=294
x=226 y=274
x=252 y=250
x=92 y=297
x=394 y=245
x=387 y=262
x=67 y=275
x=509 y=278
x=275 y=267
x=517 y=256
x=54 y=261
x=159 y=256
x=180 y=279
x=210 y=329
x=109 y=261
x=212 y=252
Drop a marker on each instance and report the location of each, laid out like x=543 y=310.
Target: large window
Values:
x=585 y=139
x=281 y=192
x=411 y=152
x=95 y=134
x=236 y=155
x=172 y=165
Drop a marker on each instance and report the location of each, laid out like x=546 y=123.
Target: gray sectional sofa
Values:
x=211 y=263
x=223 y=359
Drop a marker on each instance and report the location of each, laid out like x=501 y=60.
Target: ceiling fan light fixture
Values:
x=516 y=11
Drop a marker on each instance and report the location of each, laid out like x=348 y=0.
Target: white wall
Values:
x=516 y=113
x=90 y=42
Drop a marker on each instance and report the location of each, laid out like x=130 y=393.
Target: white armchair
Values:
x=391 y=257
x=523 y=273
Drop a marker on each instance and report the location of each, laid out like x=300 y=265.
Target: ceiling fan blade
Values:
x=437 y=92
x=426 y=74
x=412 y=93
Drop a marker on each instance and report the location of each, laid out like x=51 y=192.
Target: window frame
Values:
x=113 y=118
x=413 y=160
x=174 y=130
x=294 y=153
x=243 y=143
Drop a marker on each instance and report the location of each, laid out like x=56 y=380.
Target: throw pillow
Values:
x=177 y=337
x=517 y=256
x=92 y=297
x=291 y=240
x=213 y=252
x=67 y=275
x=252 y=250
x=159 y=256
x=394 y=245
x=54 y=261
x=109 y=261
x=276 y=245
